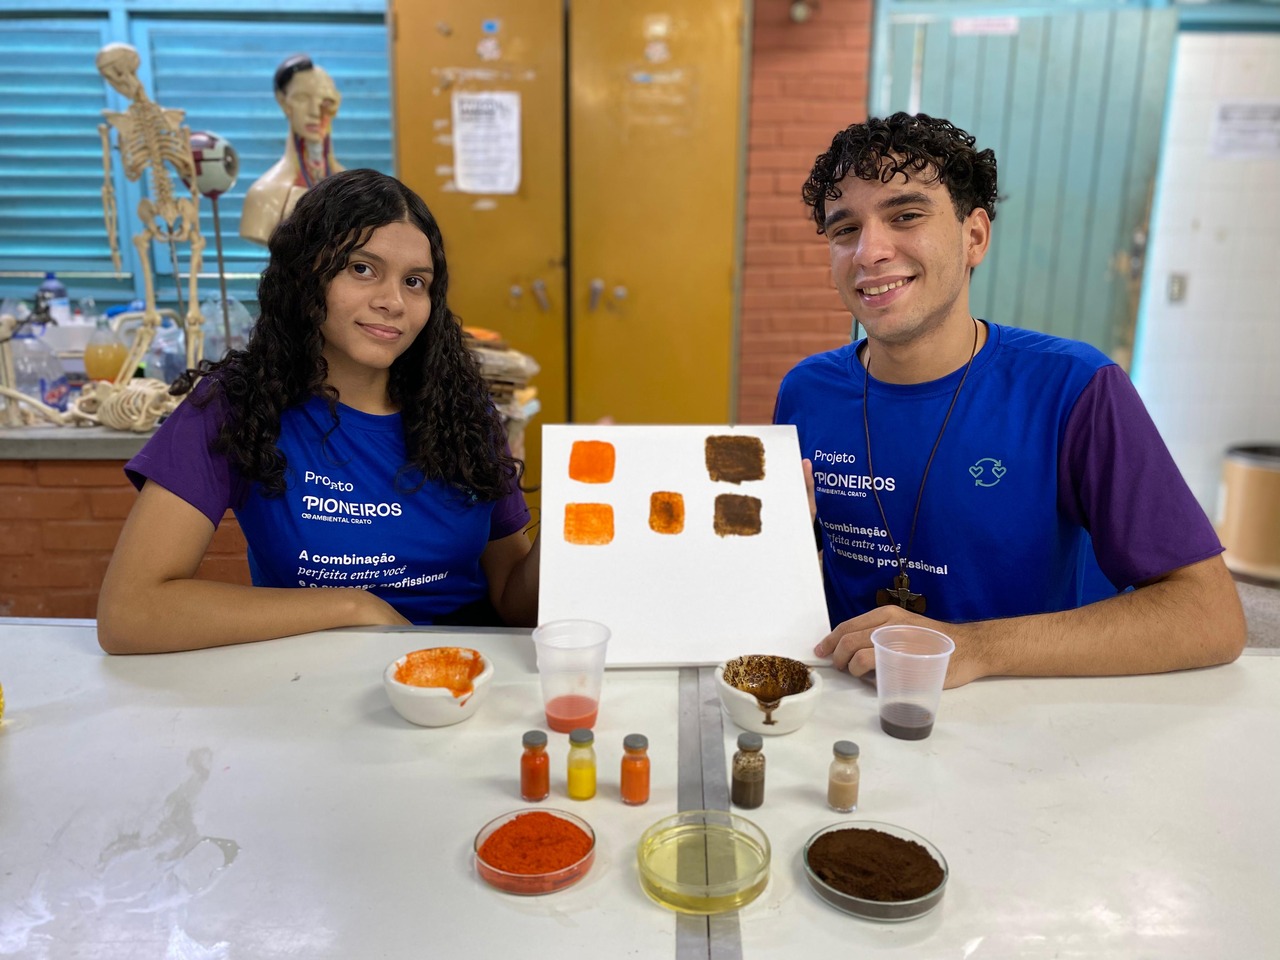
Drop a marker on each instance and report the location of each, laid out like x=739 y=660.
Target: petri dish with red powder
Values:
x=534 y=851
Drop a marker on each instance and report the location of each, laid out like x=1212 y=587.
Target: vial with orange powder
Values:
x=635 y=769
x=535 y=767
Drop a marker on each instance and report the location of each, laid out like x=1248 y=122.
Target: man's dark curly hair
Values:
x=451 y=430
x=919 y=146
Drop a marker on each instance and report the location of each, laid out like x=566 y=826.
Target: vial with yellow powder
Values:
x=582 y=764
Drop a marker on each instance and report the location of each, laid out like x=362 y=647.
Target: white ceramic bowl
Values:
x=437 y=706
x=751 y=713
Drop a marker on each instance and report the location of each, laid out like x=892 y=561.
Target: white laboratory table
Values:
x=265 y=801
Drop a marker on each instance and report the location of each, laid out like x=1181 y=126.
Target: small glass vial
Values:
x=747 y=790
x=535 y=767
x=635 y=769
x=582 y=764
x=843 y=777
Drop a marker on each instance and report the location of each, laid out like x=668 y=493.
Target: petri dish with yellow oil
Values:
x=703 y=862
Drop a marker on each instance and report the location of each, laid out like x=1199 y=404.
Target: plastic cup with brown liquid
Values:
x=911 y=664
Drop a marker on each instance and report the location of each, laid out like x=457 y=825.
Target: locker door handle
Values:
x=540 y=294
x=597 y=291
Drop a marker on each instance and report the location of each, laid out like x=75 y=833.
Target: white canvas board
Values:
x=692 y=598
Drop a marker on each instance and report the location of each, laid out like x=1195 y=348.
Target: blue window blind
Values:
x=219 y=71
x=51 y=101
x=221 y=74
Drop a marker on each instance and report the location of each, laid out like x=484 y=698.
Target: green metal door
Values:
x=1073 y=104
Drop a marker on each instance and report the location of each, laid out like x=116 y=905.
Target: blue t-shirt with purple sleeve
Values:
x=348 y=517
x=1050 y=488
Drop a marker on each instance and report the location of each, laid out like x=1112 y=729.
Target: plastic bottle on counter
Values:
x=167 y=357
x=215 y=336
x=535 y=767
x=37 y=370
x=634 y=780
x=111 y=313
x=582 y=764
x=53 y=293
x=843 y=777
x=104 y=353
x=747 y=790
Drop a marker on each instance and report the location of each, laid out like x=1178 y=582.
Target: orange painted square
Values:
x=588 y=524
x=666 y=512
x=591 y=461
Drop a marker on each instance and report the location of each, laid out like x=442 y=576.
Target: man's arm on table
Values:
x=1191 y=617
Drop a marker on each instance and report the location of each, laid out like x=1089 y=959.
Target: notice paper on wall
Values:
x=693 y=544
x=486 y=141
x=1246 y=130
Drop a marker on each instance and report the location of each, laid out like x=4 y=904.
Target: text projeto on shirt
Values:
x=852 y=539
x=347 y=557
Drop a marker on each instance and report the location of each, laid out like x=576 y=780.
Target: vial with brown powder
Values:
x=747 y=789
x=843 y=777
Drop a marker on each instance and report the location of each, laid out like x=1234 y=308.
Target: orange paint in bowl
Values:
x=453 y=668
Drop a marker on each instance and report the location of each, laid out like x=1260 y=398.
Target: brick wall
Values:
x=808 y=80
x=59 y=520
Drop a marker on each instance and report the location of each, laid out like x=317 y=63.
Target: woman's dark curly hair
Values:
x=881 y=149
x=451 y=430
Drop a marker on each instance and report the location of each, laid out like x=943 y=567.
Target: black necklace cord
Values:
x=866 y=430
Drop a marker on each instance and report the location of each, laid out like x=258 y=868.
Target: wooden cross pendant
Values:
x=901 y=595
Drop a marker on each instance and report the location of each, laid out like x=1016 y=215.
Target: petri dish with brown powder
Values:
x=876 y=871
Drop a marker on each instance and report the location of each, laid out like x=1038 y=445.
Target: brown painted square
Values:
x=588 y=524
x=666 y=512
x=737 y=516
x=591 y=461
x=733 y=459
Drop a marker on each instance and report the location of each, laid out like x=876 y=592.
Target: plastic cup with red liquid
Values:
x=571 y=667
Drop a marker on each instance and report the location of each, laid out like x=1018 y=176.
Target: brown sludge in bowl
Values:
x=874 y=865
x=767 y=677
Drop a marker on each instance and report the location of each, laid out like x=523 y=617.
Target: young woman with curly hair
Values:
x=354 y=439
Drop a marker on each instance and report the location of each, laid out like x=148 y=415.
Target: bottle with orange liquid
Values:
x=104 y=353
x=634 y=780
x=535 y=767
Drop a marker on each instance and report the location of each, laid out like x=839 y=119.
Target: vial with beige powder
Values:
x=843 y=777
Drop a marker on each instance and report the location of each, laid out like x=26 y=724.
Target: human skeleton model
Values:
x=149 y=137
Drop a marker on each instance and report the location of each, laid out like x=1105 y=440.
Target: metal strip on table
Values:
x=703 y=786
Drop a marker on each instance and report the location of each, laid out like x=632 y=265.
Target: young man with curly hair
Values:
x=1002 y=485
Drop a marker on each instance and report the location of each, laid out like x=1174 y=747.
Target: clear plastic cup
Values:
x=911 y=664
x=571 y=667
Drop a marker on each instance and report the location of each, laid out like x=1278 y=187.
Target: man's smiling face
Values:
x=900 y=256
